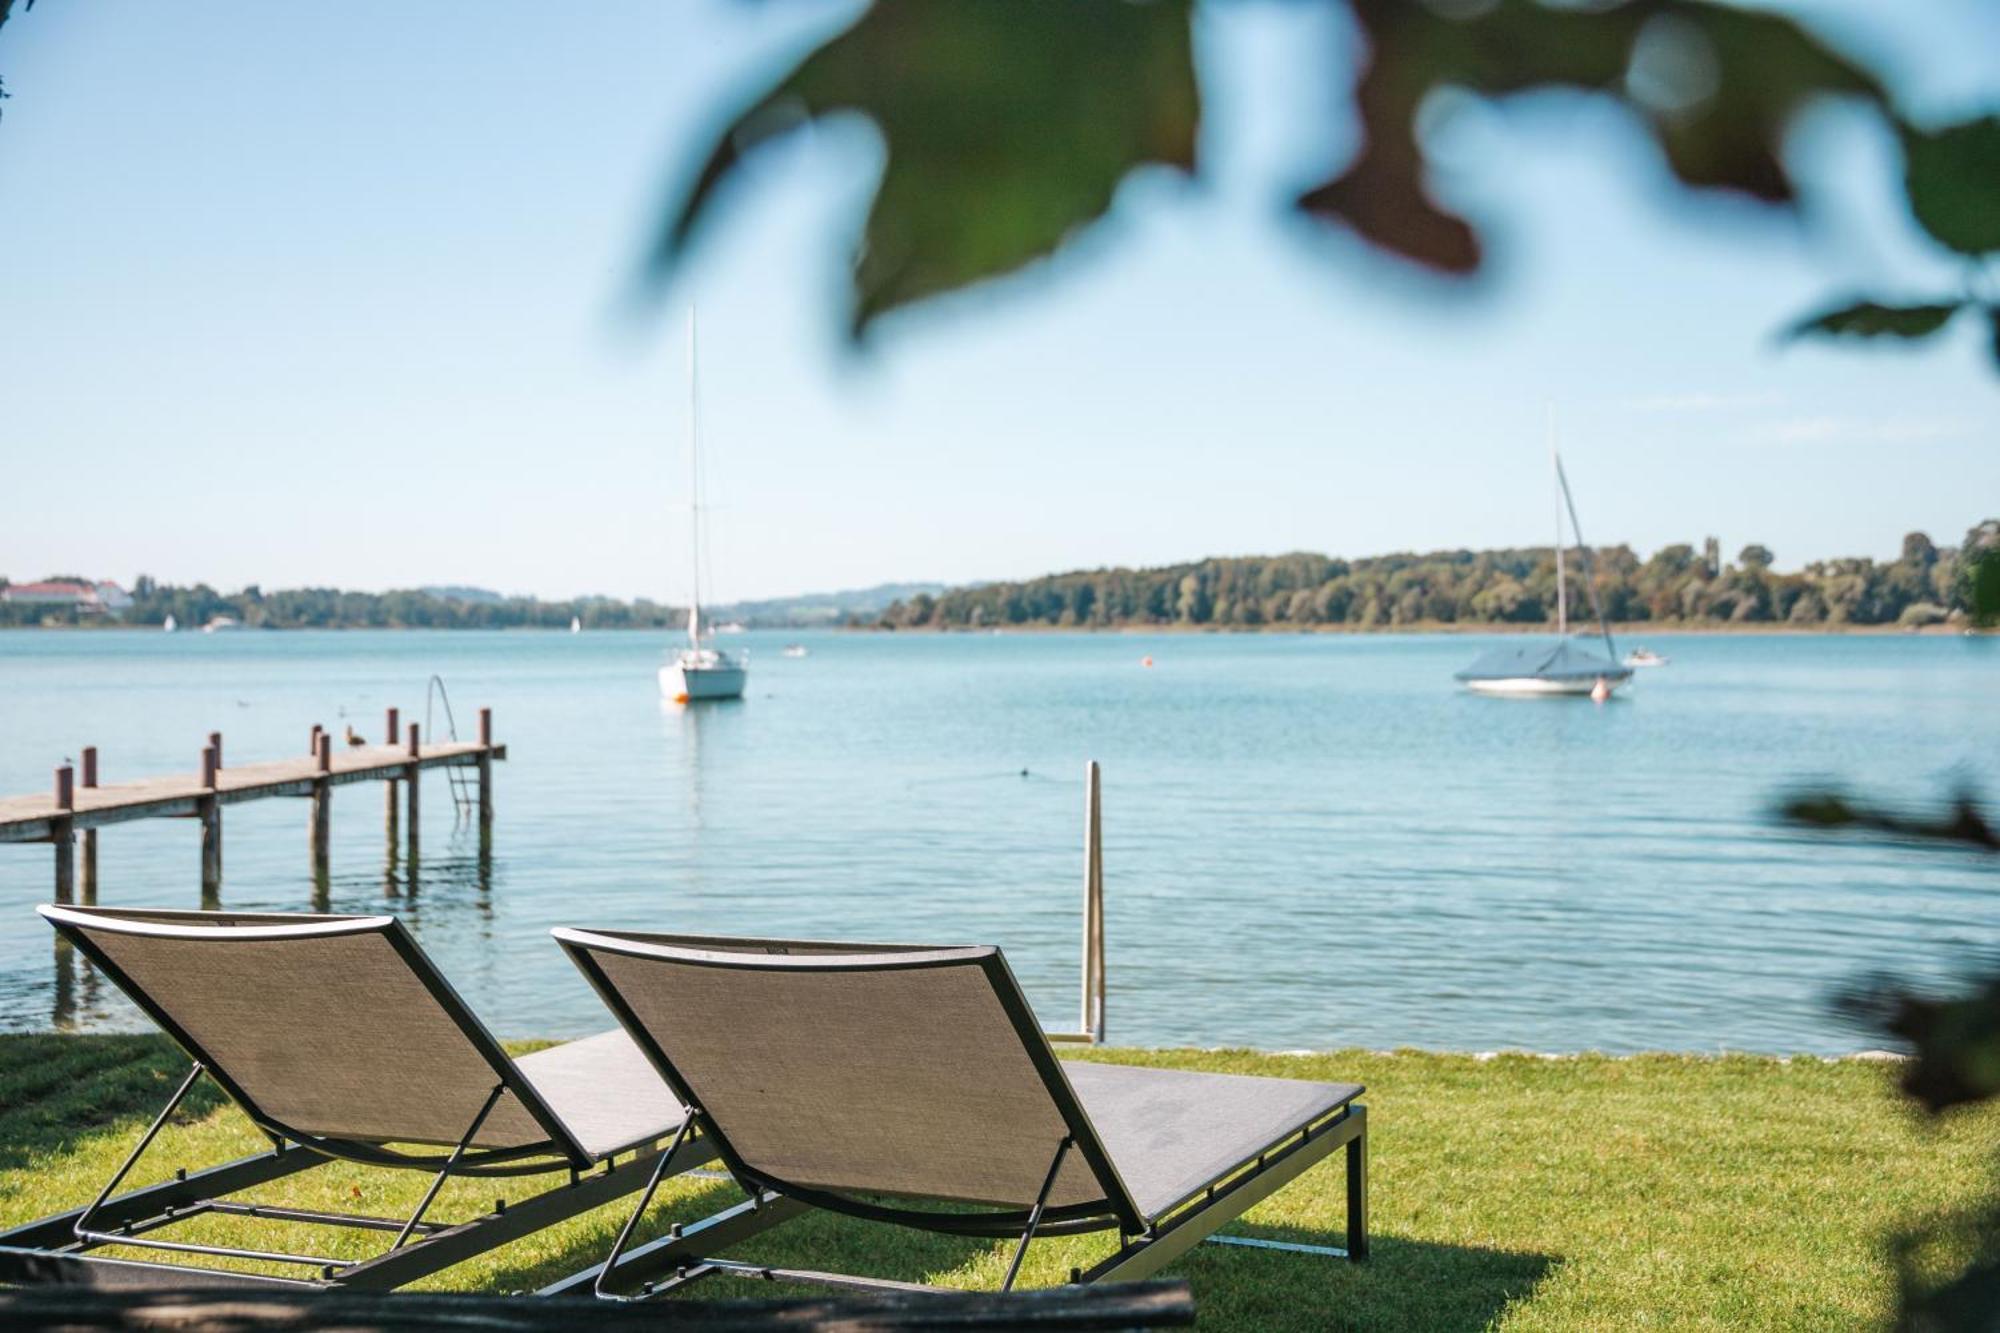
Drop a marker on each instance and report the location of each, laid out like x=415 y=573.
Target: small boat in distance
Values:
x=699 y=671
x=218 y=624
x=730 y=627
x=1645 y=657
x=794 y=650
x=1559 y=668
x=576 y=625
x=170 y=624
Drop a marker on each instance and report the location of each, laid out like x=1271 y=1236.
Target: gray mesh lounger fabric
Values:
x=921 y=1073
x=338 y=1028
x=605 y=1092
x=1171 y=1131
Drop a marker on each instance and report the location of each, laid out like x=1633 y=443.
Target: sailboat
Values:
x=170 y=624
x=576 y=624
x=1562 y=667
x=700 y=670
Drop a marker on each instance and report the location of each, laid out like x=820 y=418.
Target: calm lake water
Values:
x=1310 y=841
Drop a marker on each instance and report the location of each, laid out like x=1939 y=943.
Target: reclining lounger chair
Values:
x=833 y=1076
x=337 y=1037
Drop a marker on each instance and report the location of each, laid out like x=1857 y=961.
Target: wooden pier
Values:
x=71 y=809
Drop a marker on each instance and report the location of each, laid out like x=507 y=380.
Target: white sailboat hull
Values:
x=1522 y=686
x=689 y=681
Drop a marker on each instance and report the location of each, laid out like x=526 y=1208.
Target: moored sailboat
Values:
x=1562 y=667
x=699 y=671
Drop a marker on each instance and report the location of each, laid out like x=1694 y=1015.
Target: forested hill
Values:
x=1928 y=584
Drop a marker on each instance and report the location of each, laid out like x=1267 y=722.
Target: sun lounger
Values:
x=338 y=1039
x=865 y=1079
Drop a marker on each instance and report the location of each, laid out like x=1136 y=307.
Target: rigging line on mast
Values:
x=1590 y=580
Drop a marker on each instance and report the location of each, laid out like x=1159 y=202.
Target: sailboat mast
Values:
x=1596 y=605
x=1562 y=583
x=694 y=488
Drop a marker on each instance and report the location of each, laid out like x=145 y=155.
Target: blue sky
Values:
x=340 y=295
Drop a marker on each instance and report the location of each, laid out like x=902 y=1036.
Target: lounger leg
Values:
x=1035 y=1213
x=638 y=1211
x=437 y=1181
x=1357 y=1191
x=82 y=1229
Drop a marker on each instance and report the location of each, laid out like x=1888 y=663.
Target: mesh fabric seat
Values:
x=853 y=1077
x=337 y=1031
x=339 y=1039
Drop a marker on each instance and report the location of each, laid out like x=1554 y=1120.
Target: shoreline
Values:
x=1444 y=629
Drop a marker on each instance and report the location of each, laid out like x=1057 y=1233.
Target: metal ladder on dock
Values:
x=464 y=798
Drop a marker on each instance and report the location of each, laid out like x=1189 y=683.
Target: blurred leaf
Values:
x=1717 y=87
x=1953 y=178
x=1008 y=126
x=1869 y=319
x=1954 y=1043
x=1830 y=810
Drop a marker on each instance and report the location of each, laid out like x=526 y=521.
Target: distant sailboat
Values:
x=699 y=671
x=576 y=625
x=1562 y=667
x=170 y=624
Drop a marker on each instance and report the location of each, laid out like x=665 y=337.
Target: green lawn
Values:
x=1516 y=1193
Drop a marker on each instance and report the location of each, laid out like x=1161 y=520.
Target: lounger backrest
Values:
x=332 y=1027
x=857 y=1069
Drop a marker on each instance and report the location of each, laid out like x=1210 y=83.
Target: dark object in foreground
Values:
x=1134 y=1305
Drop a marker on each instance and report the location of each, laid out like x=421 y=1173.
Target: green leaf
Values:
x=1953 y=179
x=1869 y=319
x=1008 y=126
x=1741 y=78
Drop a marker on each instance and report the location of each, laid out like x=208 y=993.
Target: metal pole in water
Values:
x=1093 y=904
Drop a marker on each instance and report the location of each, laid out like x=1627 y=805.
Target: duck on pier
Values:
x=354 y=737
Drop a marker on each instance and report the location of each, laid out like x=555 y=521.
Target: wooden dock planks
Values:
x=34 y=818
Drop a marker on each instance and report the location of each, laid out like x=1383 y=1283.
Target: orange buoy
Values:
x=1600 y=691
x=1145 y=661
x=680 y=698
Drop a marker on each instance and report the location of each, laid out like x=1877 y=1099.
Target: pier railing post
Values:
x=410 y=781
x=62 y=832
x=319 y=818
x=391 y=798
x=89 y=780
x=485 y=774
x=208 y=808
x=1093 y=905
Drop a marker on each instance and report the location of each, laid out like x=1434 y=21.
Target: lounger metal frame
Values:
x=686 y=1255
x=59 y=1248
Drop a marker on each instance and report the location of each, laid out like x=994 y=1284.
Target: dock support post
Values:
x=319 y=818
x=485 y=775
x=89 y=834
x=410 y=781
x=209 y=810
x=1093 y=905
x=391 y=798
x=62 y=832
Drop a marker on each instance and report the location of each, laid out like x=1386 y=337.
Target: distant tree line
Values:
x=1928 y=584
x=331 y=608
